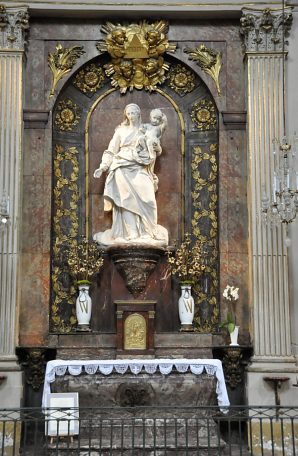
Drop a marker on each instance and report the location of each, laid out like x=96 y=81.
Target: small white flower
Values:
x=231 y=293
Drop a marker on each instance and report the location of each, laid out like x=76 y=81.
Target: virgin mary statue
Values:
x=130 y=185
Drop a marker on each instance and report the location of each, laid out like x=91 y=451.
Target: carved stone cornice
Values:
x=262 y=30
x=13 y=25
x=234 y=120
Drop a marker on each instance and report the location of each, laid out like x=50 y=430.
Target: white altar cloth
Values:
x=106 y=366
x=196 y=366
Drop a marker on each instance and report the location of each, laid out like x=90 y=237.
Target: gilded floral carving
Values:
x=90 y=78
x=203 y=115
x=67 y=115
x=181 y=79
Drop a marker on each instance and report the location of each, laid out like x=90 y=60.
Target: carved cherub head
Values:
x=127 y=69
x=153 y=37
x=156 y=117
x=119 y=36
x=151 y=67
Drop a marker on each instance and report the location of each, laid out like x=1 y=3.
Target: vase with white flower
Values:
x=187 y=264
x=231 y=294
x=84 y=261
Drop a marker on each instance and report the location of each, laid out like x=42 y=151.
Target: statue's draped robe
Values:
x=129 y=193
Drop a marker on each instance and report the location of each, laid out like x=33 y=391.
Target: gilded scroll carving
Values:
x=205 y=228
x=208 y=60
x=61 y=62
x=65 y=227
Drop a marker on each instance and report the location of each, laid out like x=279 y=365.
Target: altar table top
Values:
x=106 y=367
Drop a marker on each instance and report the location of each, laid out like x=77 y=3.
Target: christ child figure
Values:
x=148 y=147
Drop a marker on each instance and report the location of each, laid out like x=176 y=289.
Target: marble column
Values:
x=13 y=24
x=263 y=39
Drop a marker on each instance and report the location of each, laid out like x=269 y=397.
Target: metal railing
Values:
x=152 y=431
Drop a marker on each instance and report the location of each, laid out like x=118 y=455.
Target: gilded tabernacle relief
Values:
x=131 y=183
x=135 y=332
x=137 y=54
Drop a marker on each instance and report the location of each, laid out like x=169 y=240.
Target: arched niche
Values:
x=85 y=114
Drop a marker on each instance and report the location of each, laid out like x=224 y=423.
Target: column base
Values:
x=259 y=391
x=272 y=382
x=11 y=383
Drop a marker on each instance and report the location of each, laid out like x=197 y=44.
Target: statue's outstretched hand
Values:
x=97 y=173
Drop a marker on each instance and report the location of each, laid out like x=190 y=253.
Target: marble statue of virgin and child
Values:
x=131 y=183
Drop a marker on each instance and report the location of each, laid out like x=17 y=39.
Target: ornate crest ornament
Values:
x=61 y=62
x=181 y=79
x=136 y=51
x=67 y=115
x=207 y=59
x=90 y=79
x=203 y=115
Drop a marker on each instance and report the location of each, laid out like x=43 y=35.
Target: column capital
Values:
x=14 y=21
x=262 y=30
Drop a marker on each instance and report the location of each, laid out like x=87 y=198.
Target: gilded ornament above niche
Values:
x=137 y=54
x=203 y=115
x=181 y=79
x=208 y=60
x=90 y=79
x=67 y=115
x=61 y=62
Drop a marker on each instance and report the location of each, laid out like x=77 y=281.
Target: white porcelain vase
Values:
x=83 y=308
x=186 y=308
x=234 y=336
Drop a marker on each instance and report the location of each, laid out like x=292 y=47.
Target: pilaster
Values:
x=13 y=23
x=263 y=38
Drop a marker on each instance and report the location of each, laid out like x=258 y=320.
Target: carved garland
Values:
x=206 y=319
x=65 y=234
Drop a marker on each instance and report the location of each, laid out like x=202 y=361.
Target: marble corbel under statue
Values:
x=130 y=194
